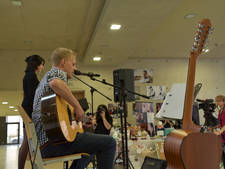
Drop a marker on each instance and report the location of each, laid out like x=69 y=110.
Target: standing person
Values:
x=104 y=120
x=55 y=82
x=35 y=64
x=220 y=102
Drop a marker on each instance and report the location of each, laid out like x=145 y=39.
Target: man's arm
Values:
x=61 y=88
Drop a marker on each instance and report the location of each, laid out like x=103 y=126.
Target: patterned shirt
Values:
x=42 y=90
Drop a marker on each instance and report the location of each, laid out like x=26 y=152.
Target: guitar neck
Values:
x=189 y=96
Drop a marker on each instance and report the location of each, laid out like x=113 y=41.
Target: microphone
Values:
x=90 y=74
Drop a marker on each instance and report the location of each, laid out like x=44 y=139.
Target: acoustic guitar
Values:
x=58 y=119
x=189 y=148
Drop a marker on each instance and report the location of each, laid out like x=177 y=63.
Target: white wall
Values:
x=210 y=72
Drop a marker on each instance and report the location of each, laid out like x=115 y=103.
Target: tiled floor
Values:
x=9 y=159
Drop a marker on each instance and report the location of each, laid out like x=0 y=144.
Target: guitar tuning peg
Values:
x=196 y=38
x=196 y=44
x=201 y=26
x=199 y=32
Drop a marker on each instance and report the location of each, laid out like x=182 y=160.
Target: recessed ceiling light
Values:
x=115 y=27
x=97 y=58
x=11 y=107
x=16 y=2
x=4 y=102
x=15 y=110
x=190 y=15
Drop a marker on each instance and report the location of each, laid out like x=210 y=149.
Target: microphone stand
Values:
x=119 y=87
x=126 y=161
x=92 y=90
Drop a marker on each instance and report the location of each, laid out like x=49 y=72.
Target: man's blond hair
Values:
x=220 y=97
x=61 y=53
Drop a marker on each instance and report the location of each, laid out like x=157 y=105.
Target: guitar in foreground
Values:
x=189 y=148
x=58 y=119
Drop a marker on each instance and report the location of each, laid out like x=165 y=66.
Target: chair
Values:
x=36 y=160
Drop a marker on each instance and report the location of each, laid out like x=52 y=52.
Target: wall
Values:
x=210 y=72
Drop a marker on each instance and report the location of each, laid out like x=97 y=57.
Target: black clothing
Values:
x=167 y=125
x=30 y=83
x=100 y=128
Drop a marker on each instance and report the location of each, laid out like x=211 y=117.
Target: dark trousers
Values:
x=103 y=146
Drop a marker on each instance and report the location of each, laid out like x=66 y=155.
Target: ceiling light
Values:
x=97 y=58
x=11 y=107
x=16 y=2
x=15 y=110
x=115 y=27
x=190 y=15
x=4 y=102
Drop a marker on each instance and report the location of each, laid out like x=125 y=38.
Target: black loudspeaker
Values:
x=152 y=163
x=127 y=77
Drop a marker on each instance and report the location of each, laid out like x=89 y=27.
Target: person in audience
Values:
x=55 y=82
x=35 y=64
x=103 y=120
x=220 y=102
x=151 y=129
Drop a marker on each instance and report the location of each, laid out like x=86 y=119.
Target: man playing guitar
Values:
x=55 y=81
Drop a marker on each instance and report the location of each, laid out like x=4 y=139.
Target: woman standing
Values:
x=220 y=102
x=35 y=64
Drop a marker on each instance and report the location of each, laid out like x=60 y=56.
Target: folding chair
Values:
x=35 y=156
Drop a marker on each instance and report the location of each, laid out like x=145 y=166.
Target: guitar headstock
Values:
x=201 y=35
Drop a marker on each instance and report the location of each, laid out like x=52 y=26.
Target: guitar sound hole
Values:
x=69 y=114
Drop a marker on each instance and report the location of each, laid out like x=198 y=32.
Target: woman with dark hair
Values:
x=35 y=64
x=103 y=120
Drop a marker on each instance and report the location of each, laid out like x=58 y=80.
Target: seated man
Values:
x=55 y=81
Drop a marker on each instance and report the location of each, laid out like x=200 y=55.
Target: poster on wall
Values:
x=145 y=116
x=143 y=76
x=156 y=92
x=113 y=108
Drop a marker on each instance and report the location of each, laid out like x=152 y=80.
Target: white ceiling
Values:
x=156 y=29
x=150 y=29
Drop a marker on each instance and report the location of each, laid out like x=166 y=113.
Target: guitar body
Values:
x=189 y=148
x=56 y=117
x=193 y=150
